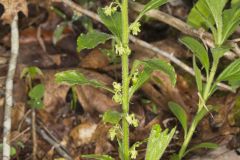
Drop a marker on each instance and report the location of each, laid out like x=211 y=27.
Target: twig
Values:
x=59 y=148
x=9 y=88
x=140 y=42
x=183 y=27
x=34 y=135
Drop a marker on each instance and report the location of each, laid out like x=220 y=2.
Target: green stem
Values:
x=196 y=119
x=125 y=81
x=210 y=80
x=187 y=139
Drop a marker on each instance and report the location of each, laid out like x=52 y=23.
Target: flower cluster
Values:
x=135 y=28
x=118 y=92
x=135 y=77
x=131 y=119
x=133 y=151
x=109 y=10
x=112 y=133
x=120 y=49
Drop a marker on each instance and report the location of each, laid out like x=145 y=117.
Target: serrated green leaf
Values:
x=198 y=76
x=112 y=117
x=36 y=92
x=73 y=77
x=216 y=8
x=150 y=66
x=198 y=49
x=158 y=142
x=181 y=115
x=98 y=157
x=91 y=40
x=231 y=73
x=231 y=20
x=113 y=22
x=200 y=15
x=153 y=4
x=206 y=145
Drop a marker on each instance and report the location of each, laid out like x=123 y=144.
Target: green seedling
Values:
x=209 y=14
x=115 y=18
x=35 y=94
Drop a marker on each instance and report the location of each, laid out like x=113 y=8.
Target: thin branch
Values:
x=184 y=28
x=9 y=88
x=53 y=141
x=34 y=135
x=142 y=43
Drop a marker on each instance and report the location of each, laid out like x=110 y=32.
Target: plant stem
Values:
x=210 y=80
x=196 y=120
x=188 y=138
x=125 y=81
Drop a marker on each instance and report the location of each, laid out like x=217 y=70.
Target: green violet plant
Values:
x=115 y=18
x=209 y=14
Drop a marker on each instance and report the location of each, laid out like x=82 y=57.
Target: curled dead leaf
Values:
x=12 y=7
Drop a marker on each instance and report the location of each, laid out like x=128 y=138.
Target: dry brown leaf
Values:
x=83 y=133
x=12 y=7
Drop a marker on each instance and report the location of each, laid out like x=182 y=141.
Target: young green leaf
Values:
x=112 y=117
x=36 y=92
x=150 y=66
x=231 y=20
x=158 y=142
x=198 y=76
x=113 y=22
x=91 y=40
x=216 y=8
x=36 y=103
x=58 y=32
x=205 y=145
x=72 y=77
x=181 y=115
x=98 y=157
x=153 y=4
x=200 y=15
x=198 y=49
x=231 y=73
x=31 y=72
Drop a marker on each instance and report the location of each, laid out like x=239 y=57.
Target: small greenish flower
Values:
x=117 y=87
x=117 y=97
x=133 y=151
x=109 y=10
x=135 y=77
x=135 y=28
x=112 y=133
x=120 y=49
x=133 y=154
x=131 y=119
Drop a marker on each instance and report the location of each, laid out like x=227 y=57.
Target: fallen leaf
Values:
x=12 y=7
x=83 y=133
